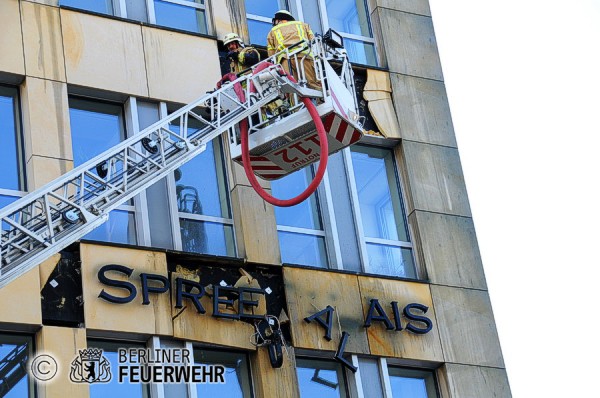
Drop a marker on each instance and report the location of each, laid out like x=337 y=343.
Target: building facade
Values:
x=375 y=283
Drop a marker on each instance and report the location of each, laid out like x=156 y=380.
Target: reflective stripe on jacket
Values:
x=286 y=34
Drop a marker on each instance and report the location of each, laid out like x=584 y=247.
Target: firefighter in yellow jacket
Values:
x=286 y=32
x=240 y=56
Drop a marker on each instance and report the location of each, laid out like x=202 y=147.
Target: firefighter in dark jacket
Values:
x=240 y=56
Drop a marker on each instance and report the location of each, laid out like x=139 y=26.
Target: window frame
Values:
x=14 y=338
x=384 y=364
x=328 y=219
x=128 y=127
x=21 y=168
x=172 y=194
x=102 y=343
x=139 y=205
x=324 y=204
x=151 y=13
x=346 y=388
x=358 y=222
x=158 y=390
x=119 y=9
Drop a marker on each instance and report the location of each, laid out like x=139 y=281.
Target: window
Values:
x=237 y=374
x=320 y=378
x=101 y=6
x=15 y=352
x=356 y=220
x=188 y=15
x=205 y=218
x=95 y=127
x=412 y=383
x=113 y=388
x=12 y=178
x=377 y=378
x=381 y=211
x=259 y=14
x=300 y=229
x=350 y=18
x=182 y=14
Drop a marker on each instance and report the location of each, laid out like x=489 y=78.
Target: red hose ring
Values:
x=312 y=187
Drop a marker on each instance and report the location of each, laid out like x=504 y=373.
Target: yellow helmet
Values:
x=230 y=37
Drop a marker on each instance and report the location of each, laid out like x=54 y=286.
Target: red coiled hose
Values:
x=323 y=154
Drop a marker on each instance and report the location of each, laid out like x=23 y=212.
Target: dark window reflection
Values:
x=300 y=248
x=96 y=127
x=182 y=17
x=320 y=378
x=265 y=8
x=11 y=161
x=412 y=383
x=101 y=6
x=237 y=374
x=14 y=354
x=201 y=189
x=113 y=389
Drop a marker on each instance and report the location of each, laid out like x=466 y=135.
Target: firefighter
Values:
x=240 y=57
x=286 y=32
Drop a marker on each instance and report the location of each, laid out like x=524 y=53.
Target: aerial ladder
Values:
x=63 y=211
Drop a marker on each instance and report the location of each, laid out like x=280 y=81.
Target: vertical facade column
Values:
x=269 y=382
x=63 y=344
x=437 y=203
x=44 y=98
x=255 y=227
x=48 y=151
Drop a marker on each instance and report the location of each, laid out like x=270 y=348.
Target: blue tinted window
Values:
x=258 y=31
x=360 y=52
x=95 y=127
x=207 y=237
x=303 y=249
x=11 y=164
x=378 y=193
x=349 y=16
x=382 y=212
x=265 y=8
x=5 y=201
x=14 y=354
x=412 y=383
x=182 y=17
x=113 y=388
x=299 y=247
x=201 y=186
x=317 y=378
x=202 y=192
x=303 y=215
x=237 y=380
x=101 y=6
x=120 y=228
x=390 y=260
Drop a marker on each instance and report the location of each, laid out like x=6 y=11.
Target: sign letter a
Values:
x=326 y=323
